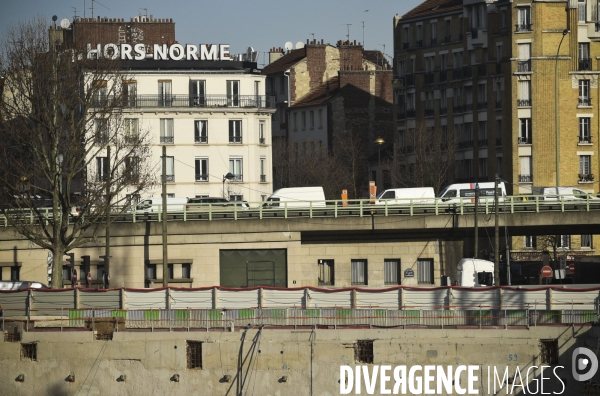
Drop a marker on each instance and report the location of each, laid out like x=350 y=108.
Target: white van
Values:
x=454 y=192
x=472 y=272
x=296 y=197
x=406 y=196
x=21 y=285
x=155 y=205
x=561 y=194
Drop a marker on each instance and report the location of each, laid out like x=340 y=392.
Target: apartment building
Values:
x=485 y=71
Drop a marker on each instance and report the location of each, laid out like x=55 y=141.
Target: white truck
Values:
x=465 y=192
x=406 y=196
x=472 y=272
x=296 y=197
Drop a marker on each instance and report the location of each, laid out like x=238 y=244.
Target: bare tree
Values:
x=423 y=157
x=66 y=144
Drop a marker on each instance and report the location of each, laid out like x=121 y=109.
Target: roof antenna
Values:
x=98 y=3
x=363 y=22
x=348 y=36
x=145 y=9
x=313 y=37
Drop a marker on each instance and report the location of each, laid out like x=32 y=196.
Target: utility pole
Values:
x=496 y=236
x=107 y=213
x=475 y=220
x=164 y=217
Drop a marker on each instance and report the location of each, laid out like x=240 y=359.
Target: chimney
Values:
x=274 y=54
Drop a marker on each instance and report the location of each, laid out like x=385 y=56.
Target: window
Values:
x=586 y=241
x=295 y=121
x=482 y=95
x=15 y=273
x=443 y=99
x=129 y=93
x=363 y=351
x=170 y=169
x=524 y=93
x=186 y=271
x=166 y=130
x=311 y=119
x=419 y=35
x=425 y=271
x=201 y=131
x=29 y=351
x=100 y=93
x=164 y=93
x=524 y=131
x=326 y=272
x=320 y=118
x=263 y=175
x=235 y=167
x=233 y=93
x=524 y=63
x=443 y=61
x=585 y=63
x=282 y=83
x=237 y=197
x=581 y=11
x=584 y=93
x=201 y=165
x=584 y=130
x=391 y=271
x=503 y=18
x=523 y=19
x=359 y=272
x=261 y=133
x=130 y=125
x=101 y=168
x=198 y=92
x=483 y=170
x=235 y=131
x=549 y=351
x=132 y=169
x=303 y=120
x=151 y=271
x=499 y=166
x=584 y=164
x=433 y=32
x=405 y=37
x=101 y=130
x=171 y=271
x=563 y=241
x=448 y=31
x=194 y=354
x=525 y=175
x=530 y=242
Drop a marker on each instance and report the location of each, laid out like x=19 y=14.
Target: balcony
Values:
x=523 y=102
x=409 y=80
x=201 y=139
x=524 y=66
x=467 y=72
x=443 y=76
x=186 y=100
x=498 y=104
x=468 y=107
x=447 y=39
x=428 y=78
x=429 y=112
x=523 y=27
x=481 y=70
x=433 y=41
x=458 y=109
x=481 y=105
x=407 y=149
x=457 y=74
x=585 y=140
x=474 y=32
x=498 y=68
x=404 y=46
x=167 y=139
x=261 y=141
x=465 y=144
x=444 y=110
x=482 y=142
x=263 y=178
x=585 y=101
x=586 y=177
x=585 y=64
x=410 y=113
x=524 y=139
x=525 y=178
x=201 y=177
x=237 y=178
x=419 y=43
x=235 y=139
x=401 y=114
x=498 y=142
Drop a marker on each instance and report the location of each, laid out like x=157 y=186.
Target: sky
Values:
x=261 y=24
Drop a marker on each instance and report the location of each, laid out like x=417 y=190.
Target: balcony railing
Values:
x=525 y=178
x=201 y=178
x=585 y=139
x=482 y=142
x=238 y=178
x=498 y=68
x=597 y=26
x=457 y=74
x=523 y=102
x=458 y=109
x=498 y=104
x=401 y=114
x=167 y=139
x=481 y=70
x=186 y=100
x=409 y=80
x=263 y=178
x=410 y=113
x=447 y=38
x=443 y=110
x=467 y=72
x=170 y=178
x=261 y=141
x=481 y=105
x=201 y=139
x=404 y=45
x=524 y=139
x=524 y=66
x=585 y=64
x=465 y=144
x=433 y=41
x=429 y=112
x=429 y=78
x=523 y=27
x=585 y=101
x=468 y=106
x=586 y=177
x=419 y=43
x=443 y=76
x=235 y=139
x=498 y=141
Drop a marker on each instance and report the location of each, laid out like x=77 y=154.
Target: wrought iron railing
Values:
x=524 y=139
x=186 y=100
x=524 y=66
x=167 y=139
x=523 y=27
x=585 y=101
x=585 y=64
x=523 y=102
x=525 y=178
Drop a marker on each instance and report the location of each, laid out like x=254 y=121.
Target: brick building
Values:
x=485 y=72
x=324 y=91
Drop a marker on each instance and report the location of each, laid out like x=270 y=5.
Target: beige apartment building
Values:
x=484 y=71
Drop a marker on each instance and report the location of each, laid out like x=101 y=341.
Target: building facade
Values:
x=485 y=71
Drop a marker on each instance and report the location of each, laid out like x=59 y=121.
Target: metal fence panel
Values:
x=386 y=299
x=146 y=299
x=14 y=303
x=237 y=299
x=425 y=298
x=92 y=299
x=520 y=298
x=50 y=303
x=195 y=299
x=283 y=298
x=473 y=298
x=573 y=299
x=330 y=299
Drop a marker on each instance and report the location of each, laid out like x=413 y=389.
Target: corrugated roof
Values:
x=285 y=62
x=431 y=7
x=321 y=94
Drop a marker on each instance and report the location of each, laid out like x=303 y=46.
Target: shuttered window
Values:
x=425 y=271
x=391 y=270
x=359 y=272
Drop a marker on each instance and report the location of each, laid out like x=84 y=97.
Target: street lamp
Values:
x=564 y=33
x=379 y=141
x=228 y=176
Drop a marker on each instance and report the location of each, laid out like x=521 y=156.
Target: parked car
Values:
x=561 y=194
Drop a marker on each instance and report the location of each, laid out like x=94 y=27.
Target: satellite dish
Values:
x=250 y=50
x=288 y=46
x=65 y=24
x=54 y=18
x=299 y=45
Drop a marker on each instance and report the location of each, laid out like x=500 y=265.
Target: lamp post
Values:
x=228 y=176
x=379 y=141
x=564 y=33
